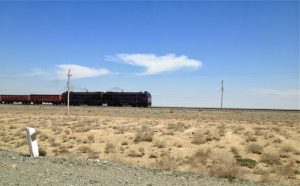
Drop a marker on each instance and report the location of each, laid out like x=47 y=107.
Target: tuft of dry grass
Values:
x=270 y=158
x=200 y=156
x=288 y=148
x=144 y=134
x=224 y=166
x=166 y=162
x=198 y=138
x=255 y=148
x=251 y=138
x=85 y=149
x=139 y=153
x=21 y=143
x=109 y=148
x=285 y=170
x=179 y=126
x=159 y=143
x=235 y=151
x=91 y=138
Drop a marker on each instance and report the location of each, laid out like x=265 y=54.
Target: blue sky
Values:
x=178 y=51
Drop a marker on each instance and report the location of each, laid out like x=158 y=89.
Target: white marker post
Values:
x=32 y=142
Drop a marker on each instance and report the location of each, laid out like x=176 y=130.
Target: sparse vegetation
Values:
x=270 y=158
x=144 y=134
x=166 y=162
x=255 y=148
x=42 y=152
x=246 y=162
x=198 y=138
x=110 y=148
x=261 y=143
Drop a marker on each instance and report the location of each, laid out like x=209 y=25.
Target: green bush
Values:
x=245 y=162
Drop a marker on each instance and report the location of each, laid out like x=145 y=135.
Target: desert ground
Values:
x=255 y=145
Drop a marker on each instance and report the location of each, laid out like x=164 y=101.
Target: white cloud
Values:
x=79 y=71
x=157 y=64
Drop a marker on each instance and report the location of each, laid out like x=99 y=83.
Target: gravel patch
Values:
x=20 y=169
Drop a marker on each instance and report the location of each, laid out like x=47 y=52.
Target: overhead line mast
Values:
x=222 y=91
x=69 y=87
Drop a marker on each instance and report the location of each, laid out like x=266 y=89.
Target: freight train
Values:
x=134 y=99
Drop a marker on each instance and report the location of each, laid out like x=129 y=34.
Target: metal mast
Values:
x=69 y=87
x=222 y=90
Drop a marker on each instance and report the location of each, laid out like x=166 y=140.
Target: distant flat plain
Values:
x=256 y=145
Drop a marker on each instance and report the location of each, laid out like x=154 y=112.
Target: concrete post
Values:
x=32 y=142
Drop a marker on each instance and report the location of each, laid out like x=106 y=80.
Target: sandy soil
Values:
x=261 y=146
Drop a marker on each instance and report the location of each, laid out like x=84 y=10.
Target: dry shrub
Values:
x=121 y=129
x=166 y=162
x=124 y=143
x=21 y=134
x=109 y=148
x=144 y=134
x=91 y=138
x=152 y=156
x=288 y=148
x=251 y=138
x=43 y=136
x=270 y=158
x=179 y=126
x=139 y=153
x=93 y=155
x=42 y=152
x=238 y=129
x=285 y=170
x=200 y=156
x=224 y=166
x=21 y=143
x=85 y=149
x=198 y=138
x=277 y=140
x=255 y=148
x=52 y=142
x=177 y=144
x=67 y=131
x=235 y=151
x=159 y=143
x=12 y=127
x=266 y=178
x=83 y=129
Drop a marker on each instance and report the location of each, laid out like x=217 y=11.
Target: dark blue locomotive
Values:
x=135 y=99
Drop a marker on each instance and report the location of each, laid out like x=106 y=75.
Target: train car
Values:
x=10 y=99
x=84 y=98
x=55 y=99
x=1 y=99
x=135 y=99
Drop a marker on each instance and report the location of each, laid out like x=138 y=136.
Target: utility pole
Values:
x=69 y=87
x=222 y=90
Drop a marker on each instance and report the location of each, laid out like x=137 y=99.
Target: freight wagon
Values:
x=55 y=99
x=10 y=99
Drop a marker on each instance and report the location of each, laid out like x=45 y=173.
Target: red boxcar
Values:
x=15 y=98
x=0 y=99
x=45 y=98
